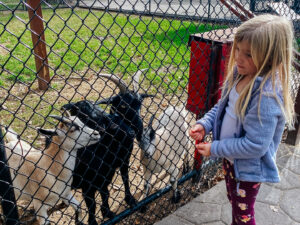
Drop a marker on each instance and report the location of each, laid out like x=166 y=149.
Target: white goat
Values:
x=164 y=147
x=43 y=177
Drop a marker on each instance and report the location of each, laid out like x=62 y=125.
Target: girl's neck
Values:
x=243 y=82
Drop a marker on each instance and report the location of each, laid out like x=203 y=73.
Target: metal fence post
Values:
x=252 y=5
x=8 y=202
x=294 y=136
x=38 y=41
x=296 y=6
x=209 y=5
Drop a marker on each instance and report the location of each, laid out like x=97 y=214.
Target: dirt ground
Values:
x=17 y=98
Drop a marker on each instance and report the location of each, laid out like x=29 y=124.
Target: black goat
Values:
x=96 y=164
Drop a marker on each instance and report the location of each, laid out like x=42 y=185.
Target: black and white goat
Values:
x=96 y=164
x=165 y=147
x=43 y=177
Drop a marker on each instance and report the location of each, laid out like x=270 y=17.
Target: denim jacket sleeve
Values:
x=258 y=132
x=208 y=120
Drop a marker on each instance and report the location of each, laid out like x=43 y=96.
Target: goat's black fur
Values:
x=96 y=164
x=128 y=106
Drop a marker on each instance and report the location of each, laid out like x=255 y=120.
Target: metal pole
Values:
x=296 y=6
x=208 y=15
x=252 y=5
x=294 y=135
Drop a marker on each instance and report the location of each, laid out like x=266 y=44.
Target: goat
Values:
x=13 y=141
x=96 y=164
x=43 y=177
x=164 y=148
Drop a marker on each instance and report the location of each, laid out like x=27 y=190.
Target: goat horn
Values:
x=136 y=79
x=104 y=101
x=117 y=80
x=61 y=119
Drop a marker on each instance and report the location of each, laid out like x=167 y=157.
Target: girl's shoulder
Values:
x=268 y=87
x=267 y=96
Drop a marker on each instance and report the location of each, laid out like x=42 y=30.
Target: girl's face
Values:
x=243 y=59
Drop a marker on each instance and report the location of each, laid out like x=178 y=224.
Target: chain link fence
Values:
x=136 y=73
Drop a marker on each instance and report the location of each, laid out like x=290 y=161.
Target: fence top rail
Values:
x=219 y=36
x=283 y=10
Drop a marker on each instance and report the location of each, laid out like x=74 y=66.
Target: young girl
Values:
x=248 y=121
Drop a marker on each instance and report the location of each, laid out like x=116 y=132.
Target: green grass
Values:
x=10 y=5
x=109 y=42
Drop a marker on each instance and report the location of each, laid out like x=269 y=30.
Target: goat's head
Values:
x=87 y=112
x=127 y=103
x=147 y=142
x=72 y=133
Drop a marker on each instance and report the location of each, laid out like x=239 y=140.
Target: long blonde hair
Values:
x=271 y=41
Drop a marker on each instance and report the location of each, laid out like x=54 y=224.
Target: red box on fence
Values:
x=209 y=52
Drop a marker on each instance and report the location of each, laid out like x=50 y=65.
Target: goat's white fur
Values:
x=13 y=142
x=43 y=177
x=168 y=150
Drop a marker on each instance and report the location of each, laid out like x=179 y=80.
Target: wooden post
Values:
x=38 y=41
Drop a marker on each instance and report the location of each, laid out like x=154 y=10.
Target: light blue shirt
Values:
x=229 y=127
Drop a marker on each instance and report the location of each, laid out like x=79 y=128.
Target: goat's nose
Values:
x=96 y=134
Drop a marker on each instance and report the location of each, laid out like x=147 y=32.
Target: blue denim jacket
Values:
x=255 y=145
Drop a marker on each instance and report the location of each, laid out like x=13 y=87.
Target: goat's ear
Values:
x=112 y=126
x=48 y=132
x=66 y=113
x=152 y=134
x=67 y=107
x=151 y=121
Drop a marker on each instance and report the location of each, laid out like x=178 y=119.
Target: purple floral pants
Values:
x=242 y=196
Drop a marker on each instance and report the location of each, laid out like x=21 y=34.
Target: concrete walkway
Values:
x=277 y=204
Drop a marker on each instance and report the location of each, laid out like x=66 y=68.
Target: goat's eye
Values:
x=75 y=128
x=78 y=128
x=72 y=129
x=123 y=106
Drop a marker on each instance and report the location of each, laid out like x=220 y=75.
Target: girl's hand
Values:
x=204 y=148
x=197 y=132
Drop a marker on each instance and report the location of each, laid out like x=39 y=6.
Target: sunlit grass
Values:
x=108 y=42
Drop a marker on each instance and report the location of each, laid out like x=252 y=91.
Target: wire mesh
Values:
x=117 y=66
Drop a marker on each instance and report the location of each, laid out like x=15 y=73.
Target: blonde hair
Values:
x=271 y=41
